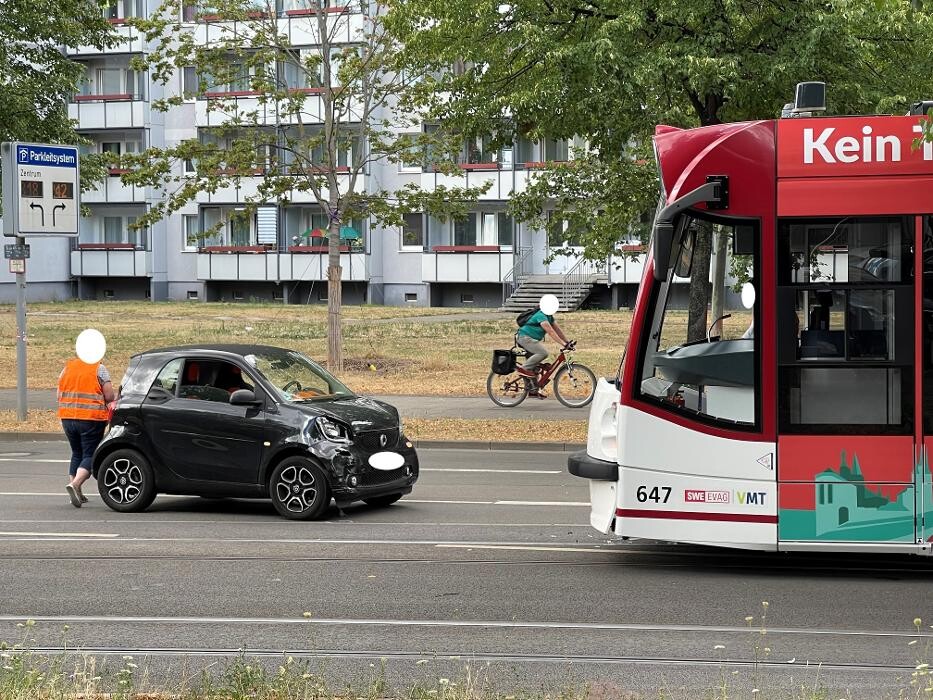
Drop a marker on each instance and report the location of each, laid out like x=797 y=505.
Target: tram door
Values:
x=925 y=362
x=847 y=463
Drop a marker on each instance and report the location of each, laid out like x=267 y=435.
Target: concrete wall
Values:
x=395 y=294
x=97 y=288
x=480 y=296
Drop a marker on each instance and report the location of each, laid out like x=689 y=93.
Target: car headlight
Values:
x=332 y=430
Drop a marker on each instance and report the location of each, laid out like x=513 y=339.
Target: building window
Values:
x=191 y=231
x=466 y=298
x=411 y=297
x=190 y=83
x=411 y=158
x=413 y=231
x=192 y=294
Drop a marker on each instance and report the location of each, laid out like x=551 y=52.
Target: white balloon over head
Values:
x=90 y=346
x=549 y=304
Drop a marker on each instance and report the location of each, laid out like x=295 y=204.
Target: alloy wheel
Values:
x=296 y=488
x=123 y=480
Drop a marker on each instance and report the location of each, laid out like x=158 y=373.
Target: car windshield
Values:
x=295 y=377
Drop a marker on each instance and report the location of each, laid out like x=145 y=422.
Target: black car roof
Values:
x=239 y=349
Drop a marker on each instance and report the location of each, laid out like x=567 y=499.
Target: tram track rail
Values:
x=461 y=657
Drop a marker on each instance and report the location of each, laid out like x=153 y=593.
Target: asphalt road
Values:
x=489 y=565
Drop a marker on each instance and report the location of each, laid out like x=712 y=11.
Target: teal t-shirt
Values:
x=533 y=328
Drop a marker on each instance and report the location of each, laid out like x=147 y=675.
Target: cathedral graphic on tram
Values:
x=801 y=418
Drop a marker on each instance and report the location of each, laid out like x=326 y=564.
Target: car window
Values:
x=168 y=377
x=212 y=380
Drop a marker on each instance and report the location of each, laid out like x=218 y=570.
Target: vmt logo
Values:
x=751 y=498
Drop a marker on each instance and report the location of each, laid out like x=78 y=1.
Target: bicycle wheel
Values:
x=507 y=390
x=574 y=385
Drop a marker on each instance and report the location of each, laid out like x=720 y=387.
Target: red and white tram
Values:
x=802 y=424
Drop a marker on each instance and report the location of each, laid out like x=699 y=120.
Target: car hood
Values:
x=359 y=412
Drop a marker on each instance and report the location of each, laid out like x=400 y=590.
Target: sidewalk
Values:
x=409 y=406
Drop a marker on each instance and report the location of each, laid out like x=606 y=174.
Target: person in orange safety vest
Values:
x=84 y=390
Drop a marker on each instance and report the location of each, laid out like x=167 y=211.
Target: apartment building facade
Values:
x=277 y=255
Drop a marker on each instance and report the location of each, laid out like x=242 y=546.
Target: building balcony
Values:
x=300 y=26
x=624 y=270
x=110 y=260
x=130 y=41
x=248 y=187
x=111 y=190
x=218 y=108
x=259 y=264
x=503 y=179
x=466 y=264
x=117 y=111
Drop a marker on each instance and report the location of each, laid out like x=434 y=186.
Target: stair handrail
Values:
x=514 y=277
x=576 y=278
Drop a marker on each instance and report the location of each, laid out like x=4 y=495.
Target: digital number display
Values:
x=31 y=188
x=63 y=190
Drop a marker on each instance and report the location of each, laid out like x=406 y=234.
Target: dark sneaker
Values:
x=73 y=495
x=537 y=394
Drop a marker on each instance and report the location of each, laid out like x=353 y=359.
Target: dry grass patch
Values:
x=561 y=431
x=36 y=422
x=447 y=354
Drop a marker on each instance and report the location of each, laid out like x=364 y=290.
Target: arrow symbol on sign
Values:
x=57 y=206
x=41 y=210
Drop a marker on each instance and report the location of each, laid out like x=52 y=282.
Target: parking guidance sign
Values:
x=40 y=190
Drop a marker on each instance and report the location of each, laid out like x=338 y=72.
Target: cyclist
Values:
x=532 y=333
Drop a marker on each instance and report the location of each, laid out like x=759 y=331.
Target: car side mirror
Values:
x=244 y=397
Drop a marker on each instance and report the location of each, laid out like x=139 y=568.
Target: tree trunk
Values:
x=699 y=283
x=720 y=248
x=334 y=300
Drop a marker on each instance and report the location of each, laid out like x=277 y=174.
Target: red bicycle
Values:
x=574 y=383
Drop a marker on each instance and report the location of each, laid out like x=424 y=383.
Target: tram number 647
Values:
x=658 y=494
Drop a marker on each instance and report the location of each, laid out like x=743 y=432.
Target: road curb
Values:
x=426 y=444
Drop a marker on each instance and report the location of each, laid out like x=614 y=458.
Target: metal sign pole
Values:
x=21 y=406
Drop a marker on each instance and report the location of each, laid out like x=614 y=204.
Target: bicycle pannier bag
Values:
x=524 y=317
x=503 y=361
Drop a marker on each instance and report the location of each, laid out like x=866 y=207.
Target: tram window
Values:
x=847 y=250
x=846 y=363
x=699 y=357
x=844 y=399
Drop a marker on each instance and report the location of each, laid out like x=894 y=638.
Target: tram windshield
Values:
x=699 y=356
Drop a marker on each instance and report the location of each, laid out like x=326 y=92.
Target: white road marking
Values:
x=527 y=548
x=58 y=534
x=566 y=504
x=36 y=461
x=495 y=624
x=576 y=504
x=494 y=471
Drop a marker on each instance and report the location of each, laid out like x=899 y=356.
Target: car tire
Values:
x=126 y=482
x=298 y=489
x=382 y=501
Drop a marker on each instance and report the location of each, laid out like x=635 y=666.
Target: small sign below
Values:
x=13 y=251
x=17 y=266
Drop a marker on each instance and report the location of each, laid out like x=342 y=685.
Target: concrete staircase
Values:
x=531 y=288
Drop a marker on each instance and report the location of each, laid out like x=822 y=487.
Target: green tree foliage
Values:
x=312 y=117
x=608 y=71
x=37 y=76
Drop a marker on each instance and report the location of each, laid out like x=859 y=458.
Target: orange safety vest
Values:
x=79 y=394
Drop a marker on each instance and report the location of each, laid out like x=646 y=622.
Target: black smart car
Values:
x=249 y=421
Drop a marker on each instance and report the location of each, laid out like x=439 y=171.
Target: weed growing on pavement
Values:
x=28 y=674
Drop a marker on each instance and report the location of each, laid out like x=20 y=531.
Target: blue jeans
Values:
x=84 y=436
